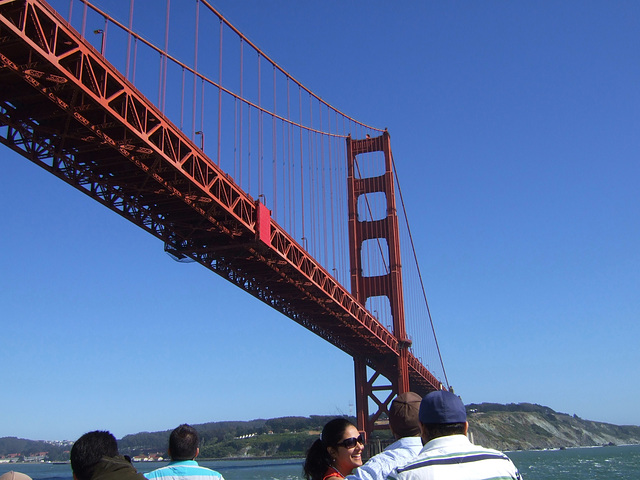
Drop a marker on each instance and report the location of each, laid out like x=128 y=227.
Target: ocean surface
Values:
x=601 y=463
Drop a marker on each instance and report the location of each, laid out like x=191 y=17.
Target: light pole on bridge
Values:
x=100 y=32
x=201 y=133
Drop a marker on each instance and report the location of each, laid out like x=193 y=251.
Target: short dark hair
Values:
x=436 y=430
x=88 y=450
x=183 y=443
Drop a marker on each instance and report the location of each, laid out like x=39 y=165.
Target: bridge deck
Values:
x=65 y=108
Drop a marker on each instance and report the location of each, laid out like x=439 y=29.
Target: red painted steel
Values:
x=263 y=224
x=65 y=108
x=389 y=284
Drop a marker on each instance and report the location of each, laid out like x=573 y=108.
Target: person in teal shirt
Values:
x=183 y=449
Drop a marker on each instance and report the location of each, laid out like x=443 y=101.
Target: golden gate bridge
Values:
x=184 y=127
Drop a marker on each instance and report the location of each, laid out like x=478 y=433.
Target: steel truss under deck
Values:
x=65 y=108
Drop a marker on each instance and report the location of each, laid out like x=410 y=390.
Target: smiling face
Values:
x=346 y=459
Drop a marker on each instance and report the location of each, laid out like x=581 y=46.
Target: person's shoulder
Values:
x=490 y=451
x=206 y=471
x=119 y=467
x=157 y=473
x=507 y=464
x=409 y=445
x=416 y=461
x=333 y=477
x=211 y=472
x=504 y=463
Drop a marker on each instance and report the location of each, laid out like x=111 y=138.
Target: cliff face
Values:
x=527 y=426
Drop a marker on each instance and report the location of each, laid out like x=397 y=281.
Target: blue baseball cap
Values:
x=442 y=407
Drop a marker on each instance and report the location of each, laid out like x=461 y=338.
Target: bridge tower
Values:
x=389 y=284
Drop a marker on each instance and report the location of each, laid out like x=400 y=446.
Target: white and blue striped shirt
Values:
x=454 y=457
x=183 y=470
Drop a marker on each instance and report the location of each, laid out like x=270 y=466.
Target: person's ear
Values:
x=197 y=452
x=332 y=452
x=424 y=433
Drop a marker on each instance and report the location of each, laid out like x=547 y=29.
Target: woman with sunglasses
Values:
x=336 y=453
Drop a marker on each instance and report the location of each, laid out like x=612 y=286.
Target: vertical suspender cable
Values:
x=84 y=19
x=129 y=39
x=249 y=114
x=285 y=171
x=312 y=180
x=274 y=152
x=260 y=184
x=202 y=102
x=135 y=59
x=182 y=101
x=285 y=143
x=301 y=163
x=316 y=197
x=290 y=172
x=220 y=96
x=103 y=46
x=241 y=106
x=235 y=133
x=331 y=205
x=343 y=249
x=164 y=60
x=323 y=175
x=195 y=68
x=419 y=274
x=249 y=160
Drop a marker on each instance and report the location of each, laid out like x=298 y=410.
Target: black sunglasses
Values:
x=351 y=442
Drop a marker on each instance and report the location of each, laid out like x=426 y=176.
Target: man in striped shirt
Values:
x=183 y=450
x=447 y=452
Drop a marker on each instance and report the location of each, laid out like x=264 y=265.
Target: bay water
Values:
x=600 y=463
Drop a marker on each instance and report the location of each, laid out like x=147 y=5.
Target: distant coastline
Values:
x=526 y=426
x=511 y=427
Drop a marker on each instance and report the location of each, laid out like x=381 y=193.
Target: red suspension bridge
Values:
x=233 y=164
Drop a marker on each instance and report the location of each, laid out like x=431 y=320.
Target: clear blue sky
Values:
x=515 y=128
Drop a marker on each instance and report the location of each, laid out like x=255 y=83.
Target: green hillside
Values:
x=521 y=426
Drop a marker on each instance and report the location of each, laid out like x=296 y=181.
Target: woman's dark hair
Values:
x=318 y=459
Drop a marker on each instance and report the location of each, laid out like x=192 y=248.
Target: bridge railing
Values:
x=260 y=129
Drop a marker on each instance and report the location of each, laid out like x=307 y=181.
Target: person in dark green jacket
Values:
x=115 y=468
x=95 y=456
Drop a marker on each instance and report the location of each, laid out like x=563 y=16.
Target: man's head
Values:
x=88 y=450
x=183 y=443
x=403 y=415
x=442 y=414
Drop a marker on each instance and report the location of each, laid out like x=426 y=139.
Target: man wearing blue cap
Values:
x=447 y=452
